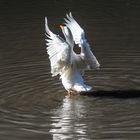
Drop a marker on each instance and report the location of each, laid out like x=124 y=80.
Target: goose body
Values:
x=64 y=61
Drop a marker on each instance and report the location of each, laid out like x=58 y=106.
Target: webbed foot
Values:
x=69 y=93
x=79 y=93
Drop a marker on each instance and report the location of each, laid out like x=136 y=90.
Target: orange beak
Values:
x=61 y=26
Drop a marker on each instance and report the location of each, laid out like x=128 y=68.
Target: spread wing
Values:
x=79 y=38
x=58 y=50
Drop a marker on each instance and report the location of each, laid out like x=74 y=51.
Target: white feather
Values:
x=59 y=51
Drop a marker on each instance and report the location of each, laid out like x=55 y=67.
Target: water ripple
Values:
x=33 y=105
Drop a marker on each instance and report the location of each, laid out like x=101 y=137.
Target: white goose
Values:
x=64 y=61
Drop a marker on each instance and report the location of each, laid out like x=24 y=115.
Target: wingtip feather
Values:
x=47 y=27
x=46 y=20
x=70 y=14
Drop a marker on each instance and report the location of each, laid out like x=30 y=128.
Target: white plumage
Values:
x=64 y=61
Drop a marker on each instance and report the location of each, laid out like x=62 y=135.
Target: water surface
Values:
x=34 y=106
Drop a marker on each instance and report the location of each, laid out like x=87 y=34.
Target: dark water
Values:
x=33 y=105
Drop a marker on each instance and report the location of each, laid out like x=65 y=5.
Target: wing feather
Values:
x=75 y=28
x=58 y=50
x=86 y=56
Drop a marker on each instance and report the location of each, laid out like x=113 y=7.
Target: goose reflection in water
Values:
x=68 y=120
